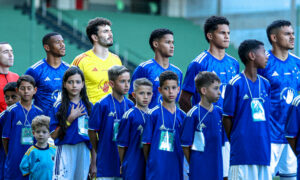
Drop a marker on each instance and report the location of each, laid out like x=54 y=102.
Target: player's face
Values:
x=285 y=37
x=105 y=36
x=220 y=37
x=74 y=85
x=261 y=58
x=165 y=45
x=212 y=92
x=26 y=91
x=41 y=134
x=56 y=46
x=11 y=97
x=121 y=84
x=169 y=91
x=143 y=96
x=6 y=55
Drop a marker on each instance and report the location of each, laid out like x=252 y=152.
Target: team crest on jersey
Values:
x=287 y=94
x=56 y=94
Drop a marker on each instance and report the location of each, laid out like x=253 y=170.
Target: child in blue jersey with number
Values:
x=11 y=97
x=292 y=130
x=38 y=161
x=130 y=132
x=201 y=136
x=69 y=129
x=17 y=134
x=161 y=136
x=104 y=122
x=247 y=114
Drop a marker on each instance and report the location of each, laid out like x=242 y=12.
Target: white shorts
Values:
x=108 y=178
x=283 y=160
x=240 y=172
x=71 y=162
x=226 y=158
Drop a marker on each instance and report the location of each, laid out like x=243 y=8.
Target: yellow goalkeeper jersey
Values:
x=95 y=73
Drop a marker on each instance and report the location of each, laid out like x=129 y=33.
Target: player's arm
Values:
x=185 y=101
x=227 y=122
x=187 y=152
x=5 y=144
x=93 y=139
x=146 y=149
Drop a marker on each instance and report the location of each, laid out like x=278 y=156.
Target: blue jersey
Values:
x=250 y=138
x=73 y=134
x=49 y=83
x=104 y=119
x=206 y=164
x=163 y=164
x=38 y=162
x=284 y=77
x=129 y=135
x=225 y=68
x=2 y=153
x=14 y=126
x=152 y=70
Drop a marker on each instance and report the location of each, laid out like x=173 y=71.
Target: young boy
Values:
x=104 y=121
x=161 y=42
x=161 y=136
x=201 y=136
x=246 y=116
x=11 y=97
x=38 y=161
x=17 y=136
x=292 y=130
x=130 y=132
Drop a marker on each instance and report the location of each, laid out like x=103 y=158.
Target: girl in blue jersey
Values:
x=69 y=130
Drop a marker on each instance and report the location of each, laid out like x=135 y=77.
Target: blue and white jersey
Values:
x=38 y=162
x=105 y=113
x=208 y=163
x=130 y=135
x=14 y=125
x=226 y=69
x=73 y=135
x=2 y=153
x=152 y=70
x=162 y=164
x=284 y=77
x=250 y=139
x=49 y=83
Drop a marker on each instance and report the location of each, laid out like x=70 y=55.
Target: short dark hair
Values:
x=92 y=27
x=157 y=34
x=11 y=86
x=47 y=37
x=167 y=75
x=246 y=47
x=141 y=82
x=211 y=24
x=40 y=121
x=274 y=26
x=205 y=79
x=115 y=71
x=26 y=78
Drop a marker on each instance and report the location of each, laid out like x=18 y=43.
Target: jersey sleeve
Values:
x=189 y=83
x=26 y=163
x=293 y=124
x=188 y=130
x=124 y=131
x=148 y=130
x=7 y=125
x=230 y=99
x=138 y=73
x=96 y=117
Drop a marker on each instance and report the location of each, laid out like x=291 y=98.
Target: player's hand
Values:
x=93 y=171
x=76 y=112
x=289 y=97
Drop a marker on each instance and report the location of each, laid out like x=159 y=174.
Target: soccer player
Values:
x=104 y=121
x=6 y=61
x=283 y=72
x=17 y=134
x=11 y=97
x=162 y=43
x=95 y=62
x=201 y=136
x=48 y=72
x=131 y=130
x=161 y=136
x=38 y=161
x=246 y=116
